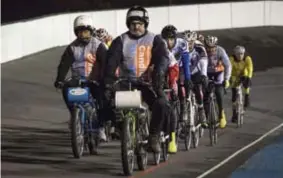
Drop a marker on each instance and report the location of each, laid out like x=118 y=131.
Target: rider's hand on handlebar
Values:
x=204 y=80
x=226 y=84
x=58 y=84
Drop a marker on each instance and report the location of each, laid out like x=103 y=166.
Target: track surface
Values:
x=35 y=138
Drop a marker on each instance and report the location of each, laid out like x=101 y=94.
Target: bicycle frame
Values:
x=192 y=108
x=239 y=95
x=239 y=104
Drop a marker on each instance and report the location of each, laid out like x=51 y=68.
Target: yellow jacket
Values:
x=241 y=68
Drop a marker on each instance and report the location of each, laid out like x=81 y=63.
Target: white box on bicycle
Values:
x=128 y=99
x=78 y=94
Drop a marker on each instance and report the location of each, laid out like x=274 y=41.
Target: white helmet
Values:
x=239 y=50
x=211 y=41
x=83 y=21
x=190 y=35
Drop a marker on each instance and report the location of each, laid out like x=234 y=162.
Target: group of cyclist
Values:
x=172 y=59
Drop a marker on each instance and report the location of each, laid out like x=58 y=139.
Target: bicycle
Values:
x=189 y=125
x=212 y=113
x=134 y=118
x=83 y=117
x=194 y=126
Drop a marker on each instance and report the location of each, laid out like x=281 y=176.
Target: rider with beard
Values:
x=85 y=56
x=134 y=52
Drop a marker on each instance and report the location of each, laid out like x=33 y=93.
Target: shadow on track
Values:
x=51 y=147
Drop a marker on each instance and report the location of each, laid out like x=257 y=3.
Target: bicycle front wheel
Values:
x=77 y=133
x=212 y=122
x=128 y=144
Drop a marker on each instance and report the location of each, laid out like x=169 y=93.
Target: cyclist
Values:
x=200 y=38
x=178 y=52
x=104 y=36
x=85 y=57
x=134 y=51
x=198 y=68
x=242 y=70
x=219 y=70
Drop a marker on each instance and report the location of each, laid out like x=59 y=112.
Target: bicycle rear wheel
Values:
x=93 y=139
x=128 y=144
x=164 y=147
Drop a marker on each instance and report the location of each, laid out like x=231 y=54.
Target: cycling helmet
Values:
x=190 y=35
x=83 y=22
x=239 y=50
x=137 y=13
x=101 y=34
x=169 y=31
x=201 y=37
x=211 y=41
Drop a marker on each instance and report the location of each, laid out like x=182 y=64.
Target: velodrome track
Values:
x=35 y=139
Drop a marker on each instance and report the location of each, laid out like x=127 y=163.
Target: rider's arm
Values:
x=226 y=62
x=203 y=62
x=249 y=66
x=160 y=60
x=185 y=58
x=114 y=56
x=67 y=60
x=101 y=55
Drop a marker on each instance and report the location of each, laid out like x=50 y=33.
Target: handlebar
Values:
x=134 y=80
x=80 y=81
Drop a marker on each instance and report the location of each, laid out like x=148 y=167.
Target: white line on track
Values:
x=239 y=151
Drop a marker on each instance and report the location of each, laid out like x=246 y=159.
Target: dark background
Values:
x=18 y=10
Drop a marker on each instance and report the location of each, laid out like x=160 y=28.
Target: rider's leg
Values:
x=181 y=96
x=247 y=85
x=160 y=113
x=199 y=98
x=96 y=93
x=219 y=92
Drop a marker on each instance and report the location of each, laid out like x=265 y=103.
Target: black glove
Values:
x=58 y=84
x=189 y=84
x=204 y=80
x=246 y=81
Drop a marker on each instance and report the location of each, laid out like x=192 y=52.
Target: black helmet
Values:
x=137 y=13
x=169 y=31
